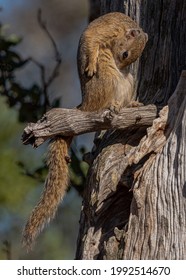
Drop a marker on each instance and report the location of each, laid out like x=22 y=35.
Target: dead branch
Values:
x=55 y=71
x=70 y=122
x=46 y=82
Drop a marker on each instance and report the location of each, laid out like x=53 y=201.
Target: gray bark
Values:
x=157 y=226
x=149 y=221
x=76 y=122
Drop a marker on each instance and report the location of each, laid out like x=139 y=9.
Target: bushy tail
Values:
x=55 y=188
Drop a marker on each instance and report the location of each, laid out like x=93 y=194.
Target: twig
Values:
x=55 y=71
x=46 y=82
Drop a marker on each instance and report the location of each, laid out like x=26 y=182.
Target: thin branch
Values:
x=46 y=82
x=42 y=70
x=55 y=71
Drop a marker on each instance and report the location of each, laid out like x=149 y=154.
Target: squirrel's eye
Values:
x=125 y=55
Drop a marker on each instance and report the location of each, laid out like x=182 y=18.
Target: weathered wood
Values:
x=158 y=210
x=164 y=56
x=116 y=169
x=70 y=122
x=148 y=222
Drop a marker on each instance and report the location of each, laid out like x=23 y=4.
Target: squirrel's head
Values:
x=129 y=47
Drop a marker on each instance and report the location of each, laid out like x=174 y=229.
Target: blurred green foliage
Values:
x=28 y=101
x=14 y=187
x=18 y=180
x=10 y=61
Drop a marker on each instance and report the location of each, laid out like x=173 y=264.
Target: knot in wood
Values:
x=138 y=118
x=108 y=115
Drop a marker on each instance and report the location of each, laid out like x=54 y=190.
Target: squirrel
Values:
x=107 y=47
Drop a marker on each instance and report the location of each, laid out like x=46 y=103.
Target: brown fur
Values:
x=104 y=75
x=54 y=190
x=105 y=82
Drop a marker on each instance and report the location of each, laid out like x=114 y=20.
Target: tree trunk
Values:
x=134 y=205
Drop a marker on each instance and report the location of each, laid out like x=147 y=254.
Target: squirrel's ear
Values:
x=132 y=33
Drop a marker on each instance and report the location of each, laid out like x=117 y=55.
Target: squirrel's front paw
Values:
x=135 y=103
x=91 y=69
x=115 y=107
